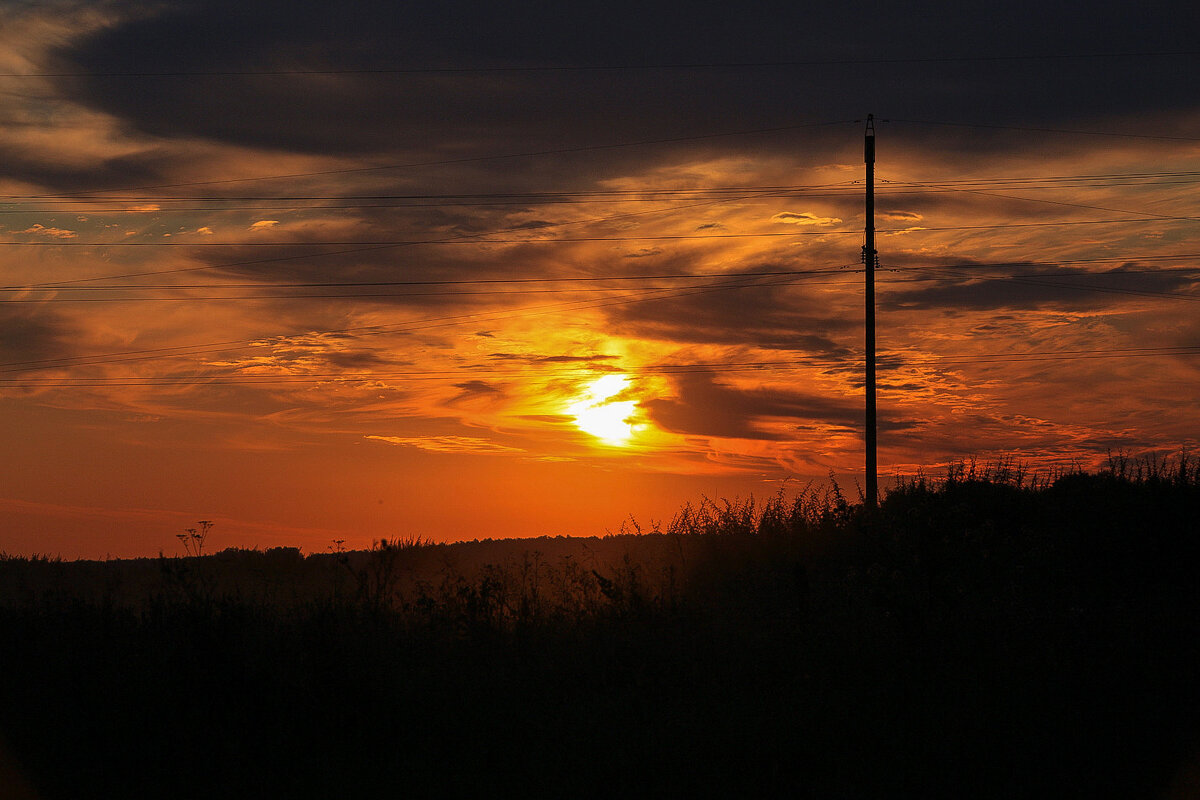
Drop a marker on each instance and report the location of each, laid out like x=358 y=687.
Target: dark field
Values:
x=980 y=636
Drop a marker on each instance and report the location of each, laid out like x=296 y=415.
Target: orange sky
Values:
x=350 y=337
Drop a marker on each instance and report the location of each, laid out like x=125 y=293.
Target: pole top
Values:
x=869 y=141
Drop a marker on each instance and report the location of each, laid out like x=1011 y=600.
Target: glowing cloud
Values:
x=53 y=233
x=596 y=414
x=448 y=444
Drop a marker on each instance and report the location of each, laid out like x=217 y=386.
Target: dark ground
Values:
x=975 y=638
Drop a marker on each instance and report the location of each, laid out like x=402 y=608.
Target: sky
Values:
x=329 y=273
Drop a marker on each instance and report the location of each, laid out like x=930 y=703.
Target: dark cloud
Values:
x=471 y=390
x=464 y=114
x=983 y=432
x=30 y=337
x=645 y=252
x=1033 y=287
x=527 y=358
x=413 y=244
x=147 y=166
x=704 y=407
x=478 y=387
x=773 y=317
x=357 y=359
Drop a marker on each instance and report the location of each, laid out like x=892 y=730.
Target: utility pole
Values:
x=870 y=261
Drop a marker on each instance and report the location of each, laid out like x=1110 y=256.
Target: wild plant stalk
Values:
x=193 y=538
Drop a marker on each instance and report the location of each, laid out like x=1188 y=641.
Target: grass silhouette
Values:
x=988 y=633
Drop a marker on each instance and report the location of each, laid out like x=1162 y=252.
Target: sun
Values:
x=606 y=420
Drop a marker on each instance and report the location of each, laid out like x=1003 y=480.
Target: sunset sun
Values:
x=597 y=413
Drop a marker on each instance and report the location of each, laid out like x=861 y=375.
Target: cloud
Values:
x=704 y=407
x=441 y=116
x=35 y=335
x=774 y=317
x=54 y=233
x=1035 y=287
x=356 y=359
x=471 y=390
x=804 y=218
x=448 y=444
x=530 y=358
x=901 y=216
x=644 y=252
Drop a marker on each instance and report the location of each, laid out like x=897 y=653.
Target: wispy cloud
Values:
x=901 y=216
x=804 y=218
x=448 y=444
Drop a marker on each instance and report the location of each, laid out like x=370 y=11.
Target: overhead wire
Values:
x=467 y=159
x=1036 y=279
x=551 y=68
x=1074 y=132
x=847 y=271
x=152 y=205
x=372 y=245
x=963 y=190
x=368 y=330
x=228 y=346
x=463 y=238
x=579 y=279
x=598 y=363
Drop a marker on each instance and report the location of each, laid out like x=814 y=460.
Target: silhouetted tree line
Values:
x=988 y=633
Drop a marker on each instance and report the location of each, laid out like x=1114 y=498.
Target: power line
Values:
x=532 y=195
x=1066 y=179
x=1055 y=202
x=552 y=68
x=1031 y=280
x=332 y=296
x=458 y=241
x=368 y=330
x=798 y=275
x=455 y=281
x=1071 y=355
x=1034 y=281
x=589 y=195
x=468 y=159
x=576 y=239
x=846 y=269
x=1048 y=130
x=368 y=248
x=227 y=346
x=1060 y=261
x=595 y=364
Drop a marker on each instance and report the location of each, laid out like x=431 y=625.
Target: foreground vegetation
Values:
x=983 y=634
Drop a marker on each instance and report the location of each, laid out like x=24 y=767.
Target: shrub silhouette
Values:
x=982 y=634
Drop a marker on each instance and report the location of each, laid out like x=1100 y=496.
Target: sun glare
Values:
x=595 y=414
